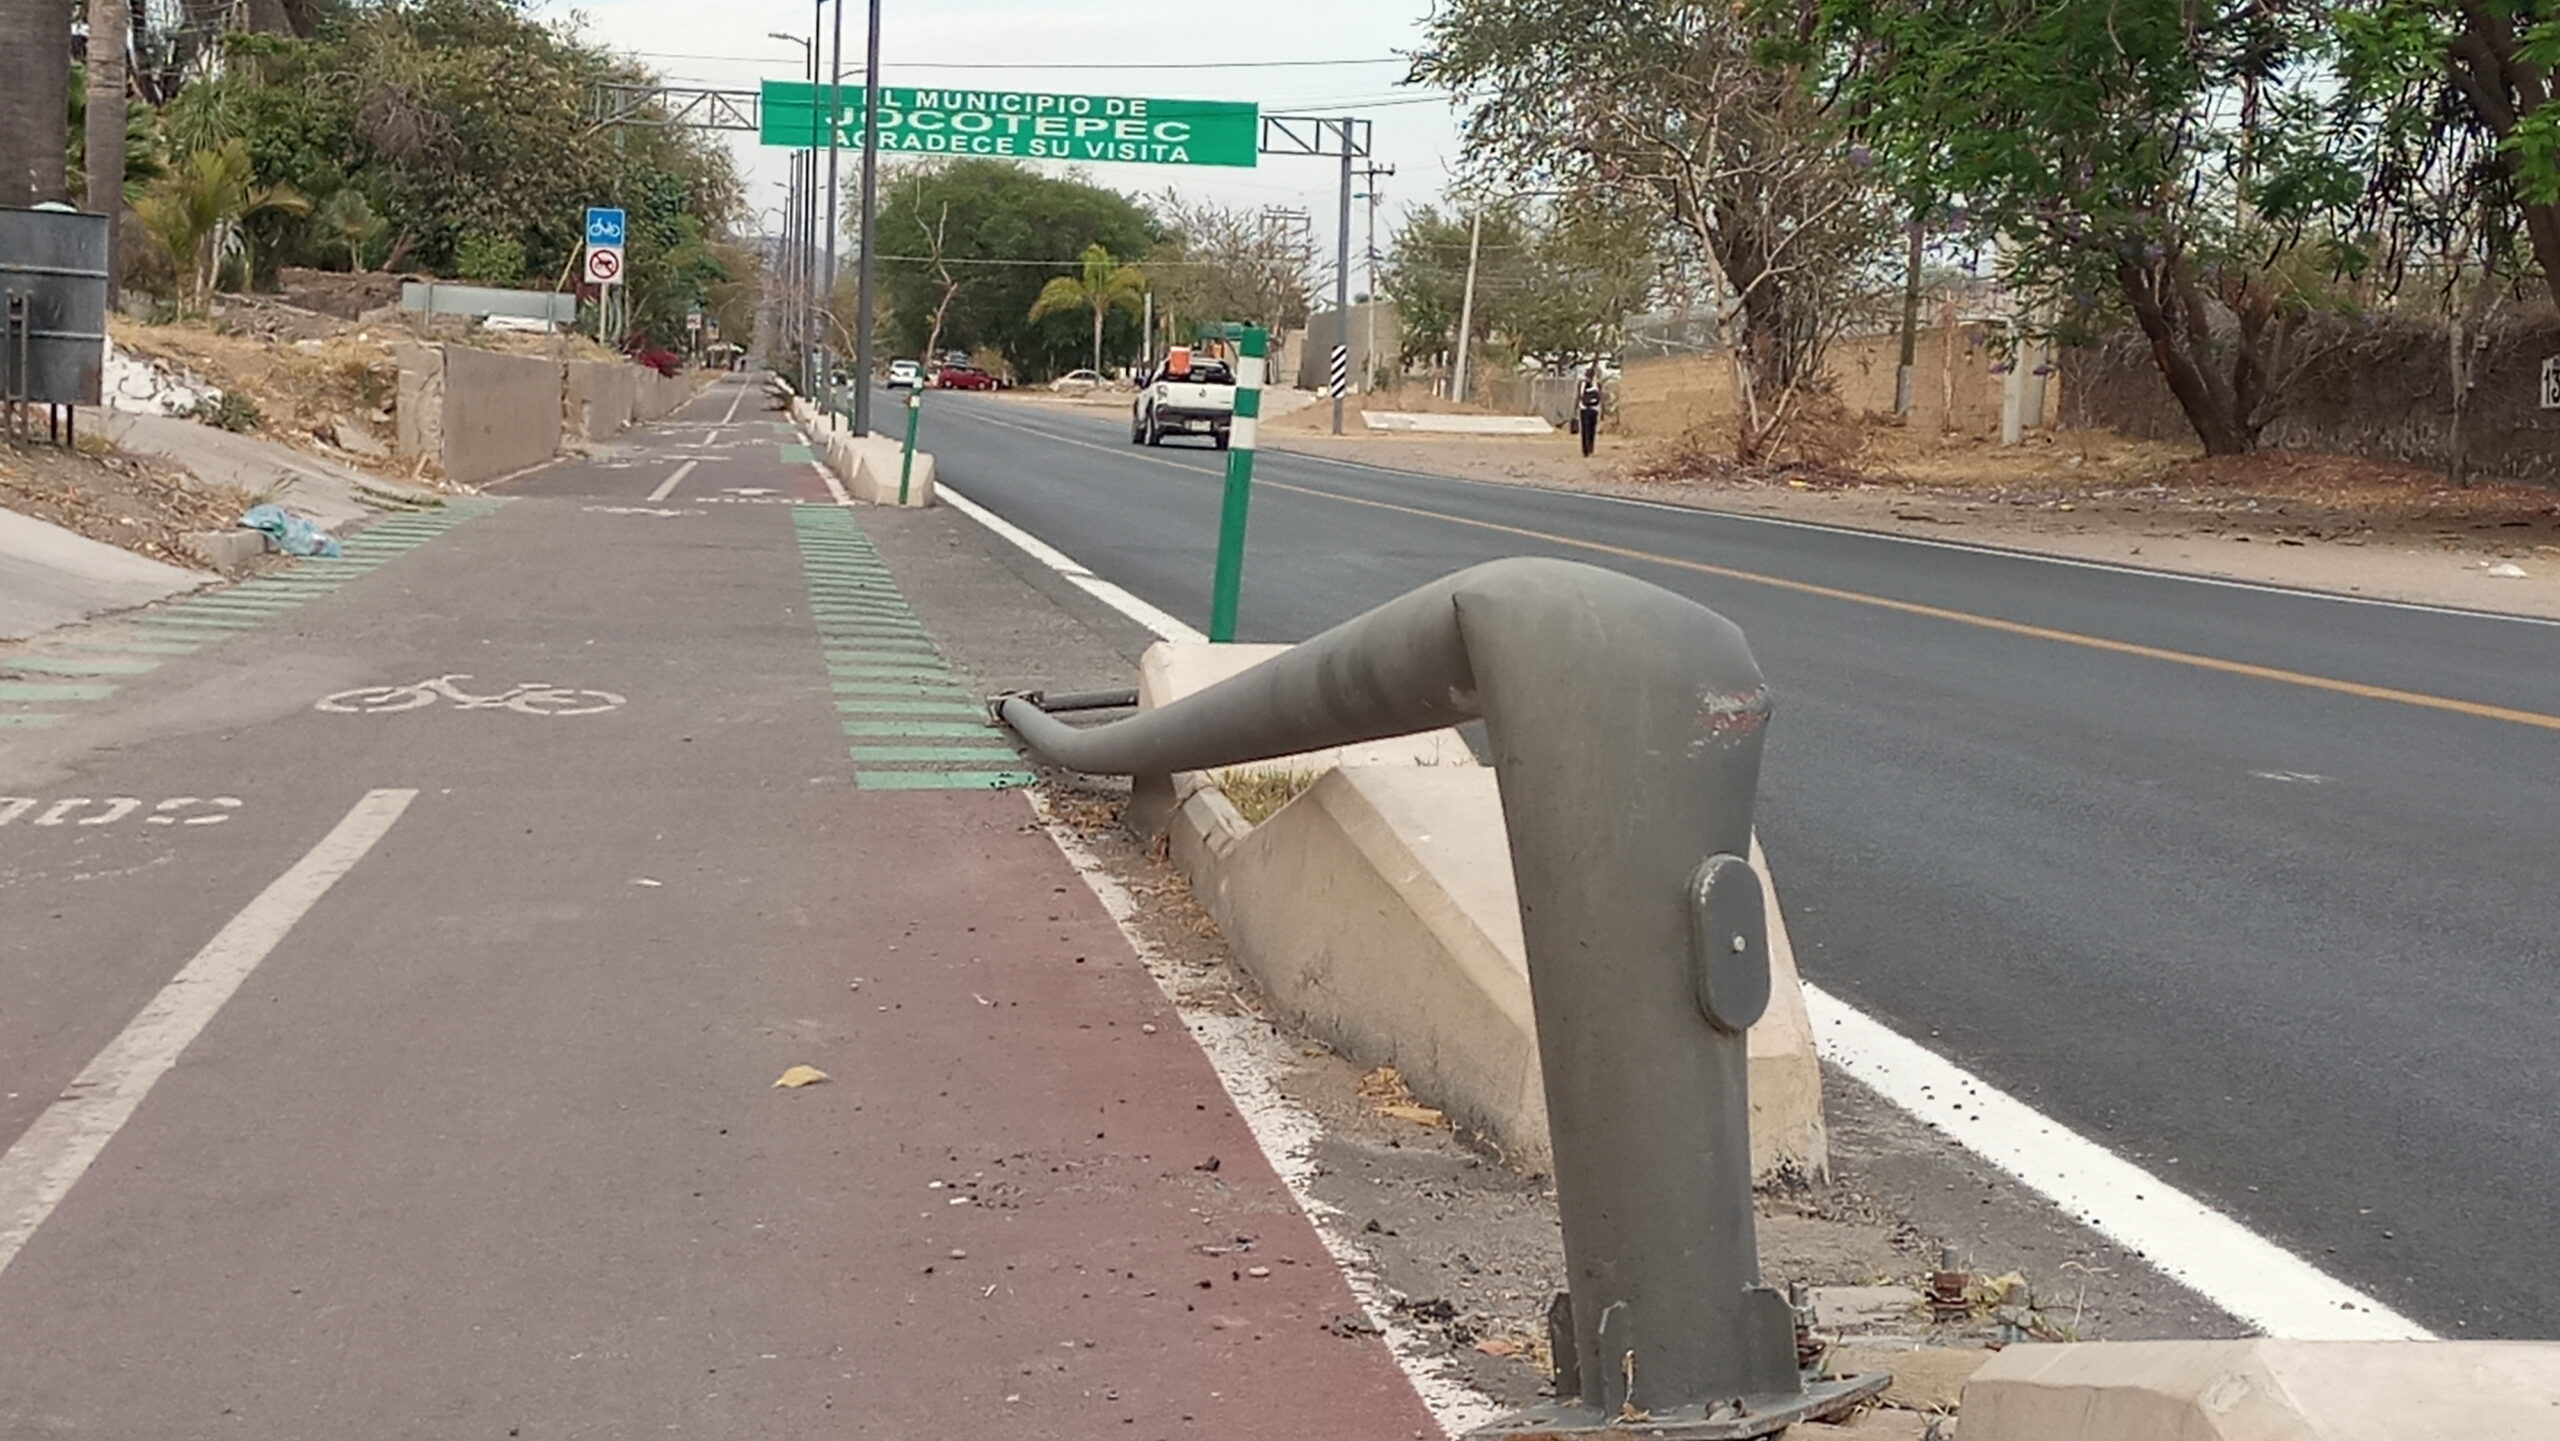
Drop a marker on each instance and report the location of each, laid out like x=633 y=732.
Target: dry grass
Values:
x=132 y=502
x=1258 y=795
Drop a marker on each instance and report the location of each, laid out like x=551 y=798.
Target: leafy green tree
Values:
x=2447 y=107
x=459 y=121
x=1555 y=286
x=1103 y=286
x=1005 y=230
x=2169 y=153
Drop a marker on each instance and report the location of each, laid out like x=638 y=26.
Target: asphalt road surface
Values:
x=2255 y=887
x=398 y=955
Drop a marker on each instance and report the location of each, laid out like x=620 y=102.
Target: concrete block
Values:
x=1878 y=1425
x=1862 y=1308
x=876 y=480
x=2267 y=1390
x=228 y=549
x=865 y=465
x=1378 y=910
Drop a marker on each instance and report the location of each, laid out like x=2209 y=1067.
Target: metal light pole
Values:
x=835 y=109
x=868 y=253
x=1467 y=308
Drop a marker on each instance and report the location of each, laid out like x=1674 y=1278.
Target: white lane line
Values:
x=668 y=486
x=58 y=1149
x=1162 y=623
x=2246 y=1275
x=1998 y=552
x=734 y=402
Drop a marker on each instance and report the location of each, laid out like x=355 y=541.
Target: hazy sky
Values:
x=1120 y=47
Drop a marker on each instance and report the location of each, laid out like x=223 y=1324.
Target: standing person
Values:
x=1587 y=406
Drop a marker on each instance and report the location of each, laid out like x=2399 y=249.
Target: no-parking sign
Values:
x=605 y=230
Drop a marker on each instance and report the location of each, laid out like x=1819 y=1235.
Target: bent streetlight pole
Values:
x=1626 y=726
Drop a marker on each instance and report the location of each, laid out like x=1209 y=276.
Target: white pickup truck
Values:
x=1187 y=395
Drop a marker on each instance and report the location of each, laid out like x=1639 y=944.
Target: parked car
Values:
x=905 y=375
x=963 y=377
x=1186 y=395
x=1079 y=380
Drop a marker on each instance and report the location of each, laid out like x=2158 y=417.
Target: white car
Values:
x=1185 y=397
x=905 y=375
x=1079 y=380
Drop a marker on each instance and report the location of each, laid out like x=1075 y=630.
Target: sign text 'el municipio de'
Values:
x=1019 y=125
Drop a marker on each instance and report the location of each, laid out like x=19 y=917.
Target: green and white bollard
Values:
x=907 y=460
x=1241 y=435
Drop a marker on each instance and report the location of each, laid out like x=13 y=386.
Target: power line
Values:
x=1056 y=64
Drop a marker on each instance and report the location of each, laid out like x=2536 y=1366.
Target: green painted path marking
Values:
x=888 y=679
x=860 y=706
x=798 y=455
x=201 y=622
x=920 y=730
x=975 y=755
x=77 y=665
x=40 y=690
x=27 y=720
x=943 y=780
x=143 y=647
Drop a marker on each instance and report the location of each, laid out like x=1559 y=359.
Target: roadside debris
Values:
x=1384 y=1090
x=799 y=1076
x=293 y=534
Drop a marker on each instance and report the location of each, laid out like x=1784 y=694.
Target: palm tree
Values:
x=35 y=110
x=102 y=147
x=197 y=208
x=348 y=219
x=1103 y=286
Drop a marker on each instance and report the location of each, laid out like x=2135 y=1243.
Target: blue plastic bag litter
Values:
x=292 y=534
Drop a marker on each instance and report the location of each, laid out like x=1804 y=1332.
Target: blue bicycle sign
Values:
x=604 y=227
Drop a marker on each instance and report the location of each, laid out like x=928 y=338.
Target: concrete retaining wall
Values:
x=600 y=398
x=501 y=413
x=482 y=414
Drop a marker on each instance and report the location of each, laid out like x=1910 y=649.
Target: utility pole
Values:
x=1467 y=308
x=1342 y=284
x=1369 y=347
x=863 y=305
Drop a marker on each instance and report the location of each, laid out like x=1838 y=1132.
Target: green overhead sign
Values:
x=1020 y=125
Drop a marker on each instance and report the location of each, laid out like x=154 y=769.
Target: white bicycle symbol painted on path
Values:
x=526 y=699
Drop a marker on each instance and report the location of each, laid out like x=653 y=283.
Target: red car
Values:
x=962 y=377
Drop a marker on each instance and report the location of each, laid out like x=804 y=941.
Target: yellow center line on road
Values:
x=2478 y=710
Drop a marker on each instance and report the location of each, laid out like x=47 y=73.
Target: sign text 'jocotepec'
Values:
x=1020 y=125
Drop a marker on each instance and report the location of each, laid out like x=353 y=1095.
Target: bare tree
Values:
x=1680 y=108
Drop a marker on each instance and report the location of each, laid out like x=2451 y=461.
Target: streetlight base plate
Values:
x=1738 y=1420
